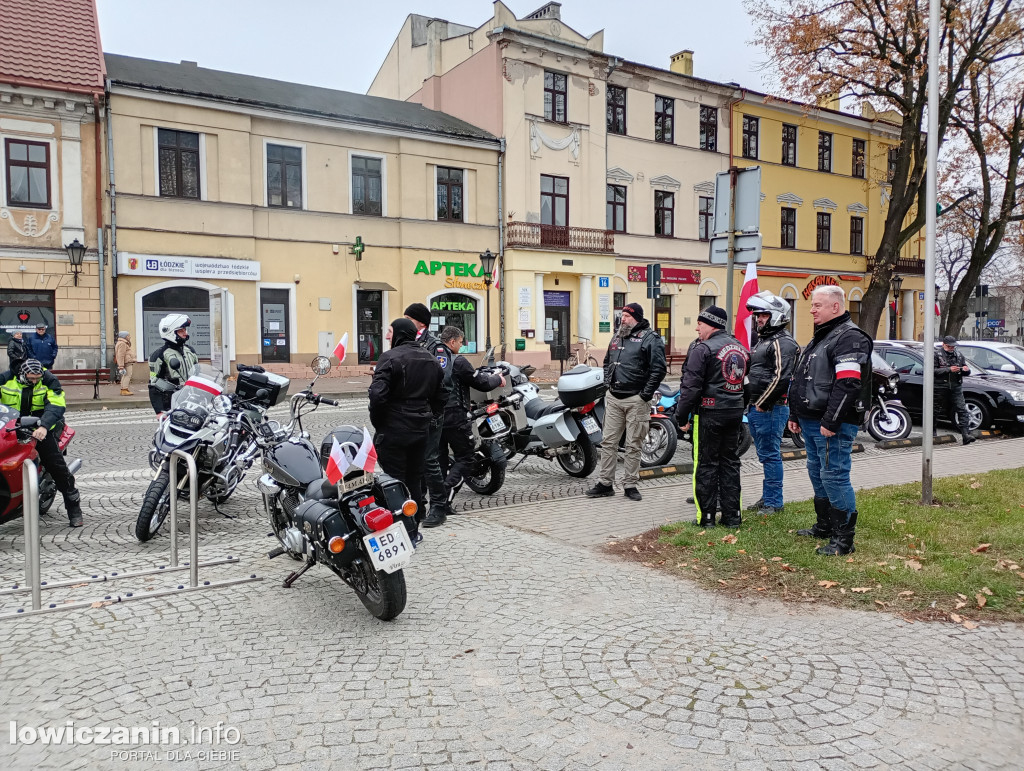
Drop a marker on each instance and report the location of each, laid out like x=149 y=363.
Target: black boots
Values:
x=73 y=504
x=968 y=438
x=730 y=520
x=438 y=516
x=843 y=526
x=823 y=527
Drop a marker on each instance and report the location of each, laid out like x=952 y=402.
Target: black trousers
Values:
x=403 y=454
x=950 y=404
x=53 y=461
x=456 y=453
x=716 y=475
x=433 y=476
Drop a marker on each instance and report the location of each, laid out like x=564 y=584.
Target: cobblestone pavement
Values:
x=518 y=650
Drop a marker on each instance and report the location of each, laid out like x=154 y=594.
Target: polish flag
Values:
x=204 y=384
x=366 y=458
x=337 y=463
x=744 y=318
x=339 y=349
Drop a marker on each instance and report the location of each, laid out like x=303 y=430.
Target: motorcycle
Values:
x=494 y=416
x=216 y=429
x=358 y=528
x=664 y=431
x=887 y=418
x=17 y=447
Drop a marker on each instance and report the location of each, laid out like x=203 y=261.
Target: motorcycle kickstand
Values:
x=291 y=579
x=216 y=508
x=521 y=459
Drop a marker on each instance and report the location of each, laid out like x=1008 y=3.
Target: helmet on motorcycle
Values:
x=350 y=438
x=171 y=323
x=29 y=367
x=766 y=302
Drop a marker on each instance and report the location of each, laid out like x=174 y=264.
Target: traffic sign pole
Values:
x=730 y=259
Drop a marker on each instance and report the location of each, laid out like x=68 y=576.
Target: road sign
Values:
x=748 y=249
x=996 y=323
x=748 y=201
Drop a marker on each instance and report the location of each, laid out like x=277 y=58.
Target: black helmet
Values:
x=29 y=367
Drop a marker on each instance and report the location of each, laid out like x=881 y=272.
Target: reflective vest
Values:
x=45 y=399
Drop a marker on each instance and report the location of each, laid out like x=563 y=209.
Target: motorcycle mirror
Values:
x=321 y=365
x=28 y=422
x=528 y=370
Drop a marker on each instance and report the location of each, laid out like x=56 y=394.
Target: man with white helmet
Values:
x=172 y=363
x=771 y=367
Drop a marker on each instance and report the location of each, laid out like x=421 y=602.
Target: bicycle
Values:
x=581 y=355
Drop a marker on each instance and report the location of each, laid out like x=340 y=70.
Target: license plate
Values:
x=591 y=425
x=389 y=549
x=363 y=480
x=496 y=423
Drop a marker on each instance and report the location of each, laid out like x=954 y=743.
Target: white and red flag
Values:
x=337 y=463
x=204 y=384
x=366 y=458
x=744 y=318
x=339 y=349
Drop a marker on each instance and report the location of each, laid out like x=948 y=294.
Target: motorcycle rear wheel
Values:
x=155 y=507
x=898 y=426
x=659 y=446
x=490 y=481
x=385 y=592
x=746 y=440
x=581 y=460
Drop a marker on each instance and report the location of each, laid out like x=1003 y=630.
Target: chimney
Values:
x=682 y=62
x=829 y=102
x=549 y=11
x=187 y=63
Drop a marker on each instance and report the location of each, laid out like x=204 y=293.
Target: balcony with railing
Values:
x=559 y=237
x=908 y=266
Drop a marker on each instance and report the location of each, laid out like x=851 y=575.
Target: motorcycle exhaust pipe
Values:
x=75 y=465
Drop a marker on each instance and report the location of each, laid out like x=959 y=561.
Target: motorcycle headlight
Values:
x=894 y=380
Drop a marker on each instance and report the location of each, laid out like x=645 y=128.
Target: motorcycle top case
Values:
x=249 y=384
x=480 y=397
x=581 y=385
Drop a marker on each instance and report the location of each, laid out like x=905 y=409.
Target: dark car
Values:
x=991 y=399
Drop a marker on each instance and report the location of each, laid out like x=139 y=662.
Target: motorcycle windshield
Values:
x=202 y=386
x=7 y=414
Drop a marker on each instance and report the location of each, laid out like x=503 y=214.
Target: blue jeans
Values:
x=828 y=463
x=766 y=430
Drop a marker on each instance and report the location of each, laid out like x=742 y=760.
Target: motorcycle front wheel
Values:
x=155 y=507
x=659 y=446
x=383 y=594
x=896 y=426
x=581 y=459
x=47 y=492
x=746 y=440
x=489 y=479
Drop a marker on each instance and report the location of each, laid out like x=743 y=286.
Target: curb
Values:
x=800 y=454
x=125 y=403
x=666 y=471
x=914 y=441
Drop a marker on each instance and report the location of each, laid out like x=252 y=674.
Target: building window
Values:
x=618 y=303
x=859 y=154
x=554 y=200
x=615 y=217
x=894 y=155
x=824 y=151
x=367 y=186
x=788 y=145
x=708 y=128
x=179 y=163
x=21 y=310
x=616 y=110
x=555 y=97
x=706 y=301
x=705 y=210
x=28 y=173
x=854 y=308
x=750 y=126
x=788 y=240
x=284 y=176
x=824 y=232
x=856 y=235
x=664 y=209
x=449 y=194
x=663 y=119
x=791 y=325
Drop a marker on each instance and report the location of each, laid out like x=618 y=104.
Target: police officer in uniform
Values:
x=711 y=388
x=950 y=368
x=36 y=392
x=172 y=363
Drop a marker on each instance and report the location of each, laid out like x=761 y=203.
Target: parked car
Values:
x=991 y=399
x=1006 y=359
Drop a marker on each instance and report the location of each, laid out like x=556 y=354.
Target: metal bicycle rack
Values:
x=34 y=584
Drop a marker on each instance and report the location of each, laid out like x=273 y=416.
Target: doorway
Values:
x=275 y=345
x=369 y=325
x=556 y=323
x=663 y=319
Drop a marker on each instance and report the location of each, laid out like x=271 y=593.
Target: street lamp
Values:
x=76 y=252
x=897 y=282
x=487 y=263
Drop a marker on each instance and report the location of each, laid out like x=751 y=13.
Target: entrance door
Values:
x=274 y=315
x=663 y=319
x=556 y=323
x=370 y=326
x=455 y=310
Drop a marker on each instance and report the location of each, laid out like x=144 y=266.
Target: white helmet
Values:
x=171 y=323
x=766 y=302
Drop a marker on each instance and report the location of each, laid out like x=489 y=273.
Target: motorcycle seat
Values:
x=538 y=408
x=668 y=390
x=319 y=489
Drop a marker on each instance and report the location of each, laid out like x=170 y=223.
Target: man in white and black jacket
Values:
x=771 y=368
x=633 y=369
x=827 y=399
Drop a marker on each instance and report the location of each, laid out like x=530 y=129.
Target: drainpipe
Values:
x=501 y=246
x=99 y=229
x=113 y=214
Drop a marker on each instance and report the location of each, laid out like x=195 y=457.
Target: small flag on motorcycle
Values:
x=337 y=463
x=339 y=349
x=366 y=458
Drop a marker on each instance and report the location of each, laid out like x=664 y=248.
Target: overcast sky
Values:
x=341 y=43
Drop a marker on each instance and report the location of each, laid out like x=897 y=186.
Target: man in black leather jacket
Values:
x=712 y=390
x=950 y=368
x=405 y=396
x=771 y=368
x=826 y=401
x=633 y=368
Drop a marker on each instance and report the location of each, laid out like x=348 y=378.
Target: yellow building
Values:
x=262 y=188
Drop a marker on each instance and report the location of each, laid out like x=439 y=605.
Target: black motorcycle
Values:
x=359 y=528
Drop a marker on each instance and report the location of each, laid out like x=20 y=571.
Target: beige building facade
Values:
x=316 y=212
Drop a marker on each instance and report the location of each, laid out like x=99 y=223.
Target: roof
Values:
x=51 y=44
x=190 y=80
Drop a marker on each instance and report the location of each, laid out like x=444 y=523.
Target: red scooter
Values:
x=18 y=447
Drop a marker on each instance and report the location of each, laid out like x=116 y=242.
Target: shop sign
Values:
x=129 y=264
x=453 y=306
x=450 y=268
x=638 y=273
x=817 y=281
